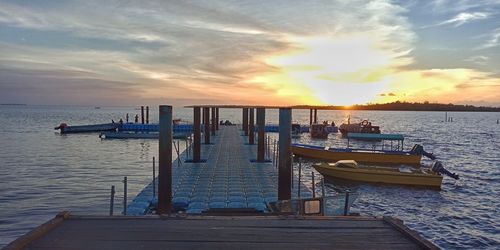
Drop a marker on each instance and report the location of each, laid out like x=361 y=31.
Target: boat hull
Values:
x=88 y=128
x=386 y=177
x=333 y=155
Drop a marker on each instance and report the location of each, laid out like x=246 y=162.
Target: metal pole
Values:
x=147 y=114
x=154 y=177
x=178 y=154
x=125 y=195
x=245 y=121
x=206 y=111
x=165 y=161
x=251 y=128
x=323 y=187
x=214 y=122
x=300 y=177
x=261 y=123
x=313 y=185
x=285 y=167
x=197 y=135
x=346 y=205
x=112 y=201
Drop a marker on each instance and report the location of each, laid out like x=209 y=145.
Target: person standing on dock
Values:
x=136 y=118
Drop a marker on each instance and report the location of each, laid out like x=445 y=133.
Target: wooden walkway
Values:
x=220 y=232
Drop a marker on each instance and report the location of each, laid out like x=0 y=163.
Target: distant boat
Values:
x=65 y=129
x=97 y=107
x=363 y=127
x=350 y=170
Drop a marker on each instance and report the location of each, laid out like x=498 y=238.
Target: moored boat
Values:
x=413 y=156
x=65 y=129
x=350 y=170
x=363 y=127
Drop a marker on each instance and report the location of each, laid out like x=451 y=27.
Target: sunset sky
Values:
x=249 y=52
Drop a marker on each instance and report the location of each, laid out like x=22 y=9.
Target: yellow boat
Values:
x=350 y=170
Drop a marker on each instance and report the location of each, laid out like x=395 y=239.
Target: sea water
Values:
x=43 y=172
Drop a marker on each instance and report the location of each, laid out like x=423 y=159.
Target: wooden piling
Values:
x=112 y=201
x=245 y=121
x=310 y=116
x=315 y=116
x=206 y=111
x=261 y=123
x=147 y=114
x=214 y=122
x=197 y=134
x=251 y=127
x=142 y=114
x=165 y=161
x=217 y=118
x=285 y=167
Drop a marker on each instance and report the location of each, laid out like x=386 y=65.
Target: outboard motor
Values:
x=439 y=168
x=61 y=126
x=419 y=150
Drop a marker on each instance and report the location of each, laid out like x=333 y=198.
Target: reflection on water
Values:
x=44 y=173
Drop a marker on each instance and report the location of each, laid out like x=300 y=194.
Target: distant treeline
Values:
x=414 y=106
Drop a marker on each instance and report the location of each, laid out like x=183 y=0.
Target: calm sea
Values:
x=43 y=173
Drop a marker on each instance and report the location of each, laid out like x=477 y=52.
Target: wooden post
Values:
x=165 y=161
x=251 y=128
x=315 y=116
x=245 y=121
x=213 y=121
x=261 y=123
x=147 y=114
x=285 y=167
x=207 y=125
x=142 y=114
x=217 y=118
x=112 y=201
x=310 y=116
x=197 y=134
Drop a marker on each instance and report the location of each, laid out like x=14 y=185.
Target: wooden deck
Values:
x=220 y=232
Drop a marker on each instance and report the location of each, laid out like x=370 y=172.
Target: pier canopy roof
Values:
x=230 y=106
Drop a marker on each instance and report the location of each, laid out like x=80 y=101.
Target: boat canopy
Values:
x=378 y=137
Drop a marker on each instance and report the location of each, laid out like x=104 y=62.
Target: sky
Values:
x=337 y=52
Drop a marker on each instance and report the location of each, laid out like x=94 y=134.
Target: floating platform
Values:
x=68 y=231
x=226 y=179
x=139 y=135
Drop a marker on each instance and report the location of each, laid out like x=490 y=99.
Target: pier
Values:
x=219 y=198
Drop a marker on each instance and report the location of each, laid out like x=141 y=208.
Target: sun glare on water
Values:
x=337 y=71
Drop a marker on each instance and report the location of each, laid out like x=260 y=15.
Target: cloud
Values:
x=492 y=41
x=480 y=60
x=462 y=18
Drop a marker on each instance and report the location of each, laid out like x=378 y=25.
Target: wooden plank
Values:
x=398 y=225
x=235 y=232
x=38 y=232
